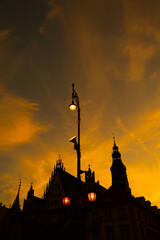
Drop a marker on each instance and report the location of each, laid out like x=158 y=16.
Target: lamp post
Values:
x=73 y=107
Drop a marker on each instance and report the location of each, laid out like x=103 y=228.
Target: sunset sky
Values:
x=110 y=50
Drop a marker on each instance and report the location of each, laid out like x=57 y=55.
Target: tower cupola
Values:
x=116 y=154
x=118 y=170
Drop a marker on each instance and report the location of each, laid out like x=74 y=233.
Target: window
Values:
x=122 y=213
x=95 y=236
x=139 y=214
x=94 y=215
x=142 y=232
x=145 y=217
x=124 y=232
x=110 y=233
x=96 y=228
x=108 y=215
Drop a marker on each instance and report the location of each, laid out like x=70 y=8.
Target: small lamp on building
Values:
x=66 y=201
x=92 y=196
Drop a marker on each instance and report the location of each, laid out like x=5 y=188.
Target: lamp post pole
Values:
x=73 y=107
x=78 y=150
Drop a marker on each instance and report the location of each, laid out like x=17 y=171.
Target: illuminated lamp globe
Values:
x=72 y=106
x=66 y=201
x=92 y=196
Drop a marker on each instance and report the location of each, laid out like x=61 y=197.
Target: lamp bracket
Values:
x=75 y=95
x=81 y=171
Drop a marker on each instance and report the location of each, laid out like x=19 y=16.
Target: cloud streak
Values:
x=17 y=124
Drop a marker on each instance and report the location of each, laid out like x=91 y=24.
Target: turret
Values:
x=30 y=192
x=89 y=175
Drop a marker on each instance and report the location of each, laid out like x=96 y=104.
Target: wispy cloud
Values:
x=138 y=55
x=132 y=134
x=17 y=121
x=53 y=10
x=5 y=33
x=141 y=40
x=146 y=132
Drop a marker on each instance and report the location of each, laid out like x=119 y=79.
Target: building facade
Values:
x=72 y=209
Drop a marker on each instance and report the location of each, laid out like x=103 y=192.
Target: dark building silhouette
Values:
x=82 y=210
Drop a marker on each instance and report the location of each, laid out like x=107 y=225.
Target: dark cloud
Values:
x=25 y=17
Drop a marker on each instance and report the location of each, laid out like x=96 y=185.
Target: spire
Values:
x=59 y=164
x=116 y=154
x=31 y=191
x=89 y=175
x=31 y=188
x=16 y=204
x=115 y=146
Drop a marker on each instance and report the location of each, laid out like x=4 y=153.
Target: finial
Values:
x=59 y=157
x=113 y=137
x=115 y=146
x=114 y=140
x=19 y=184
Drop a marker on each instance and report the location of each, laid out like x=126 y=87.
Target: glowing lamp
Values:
x=66 y=201
x=92 y=197
x=72 y=106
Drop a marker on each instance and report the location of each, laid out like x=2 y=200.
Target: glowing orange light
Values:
x=92 y=197
x=66 y=201
x=72 y=107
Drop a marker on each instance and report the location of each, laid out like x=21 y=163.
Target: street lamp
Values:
x=73 y=107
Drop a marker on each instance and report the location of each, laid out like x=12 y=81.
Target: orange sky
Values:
x=111 y=51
